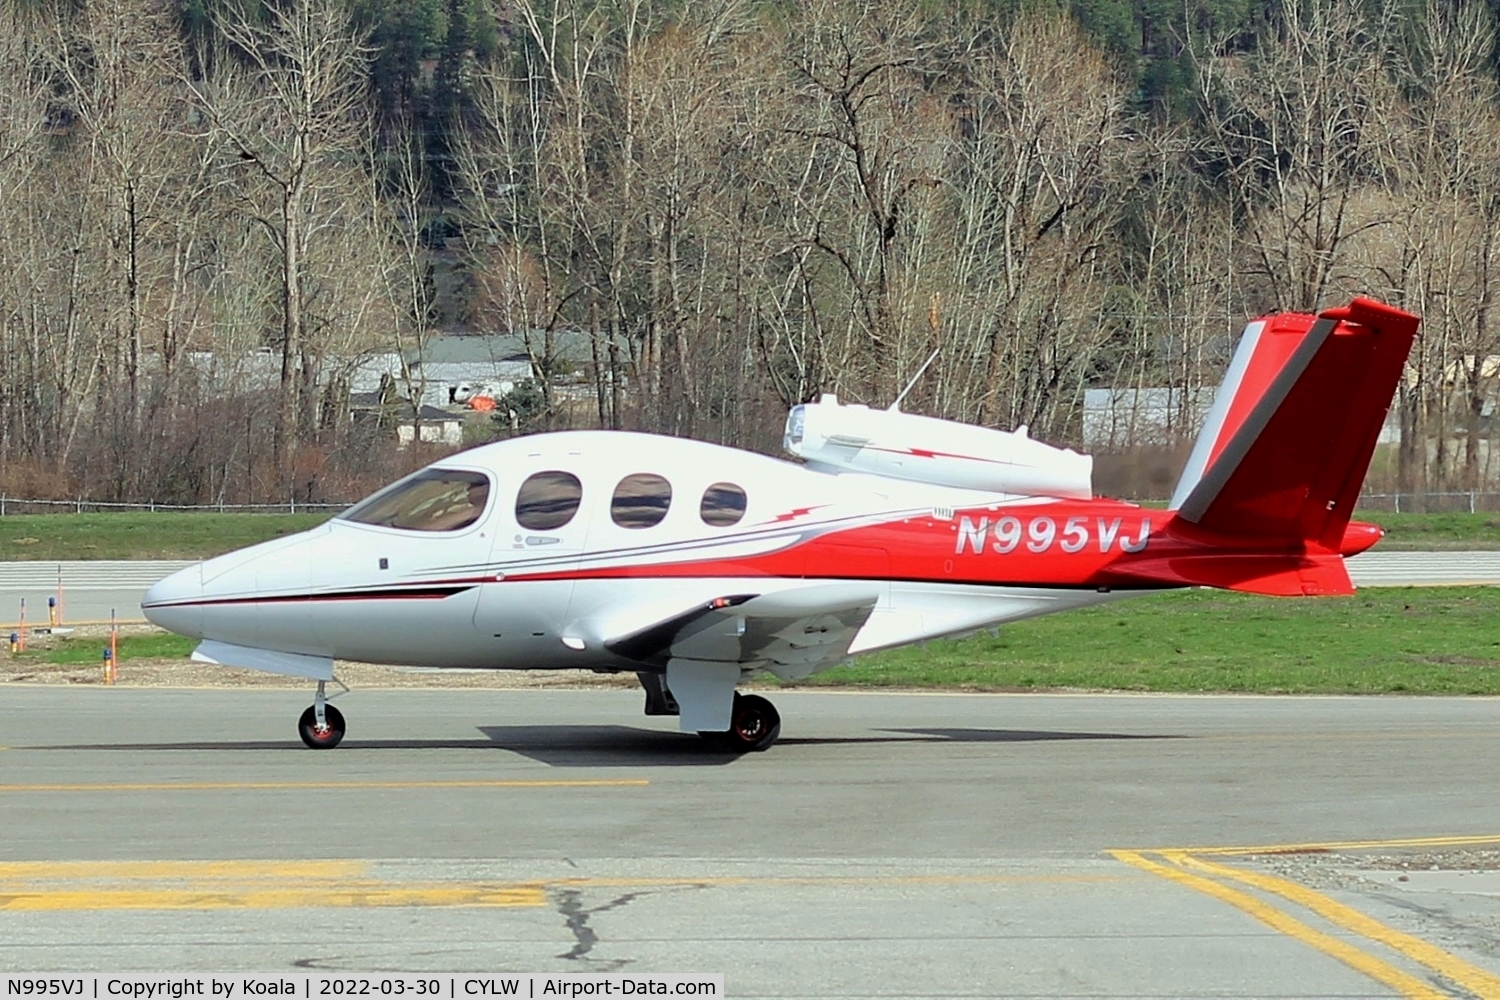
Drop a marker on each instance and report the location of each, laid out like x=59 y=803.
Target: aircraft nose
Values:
x=169 y=602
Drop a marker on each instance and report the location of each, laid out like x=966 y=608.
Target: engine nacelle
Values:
x=854 y=438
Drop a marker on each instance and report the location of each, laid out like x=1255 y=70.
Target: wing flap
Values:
x=656 y=640
x=791 y=632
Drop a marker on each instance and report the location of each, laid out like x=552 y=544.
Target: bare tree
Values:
x=1181 y=274
x=288 y=104
x=861 y=73
x=405 y=208
x=24 y=88
x=1043 y=180
x=1443 y=257
x=1294 y=128
x=547 y=171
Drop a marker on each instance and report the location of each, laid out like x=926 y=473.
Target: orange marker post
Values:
x=114 y=648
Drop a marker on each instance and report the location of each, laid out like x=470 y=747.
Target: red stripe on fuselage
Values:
x=1062 y=544
x=406 y=594
x=929 y=453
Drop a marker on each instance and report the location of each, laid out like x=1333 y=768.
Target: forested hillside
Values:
x=737 y=205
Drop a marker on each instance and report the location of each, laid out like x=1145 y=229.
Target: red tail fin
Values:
x=1284 y=452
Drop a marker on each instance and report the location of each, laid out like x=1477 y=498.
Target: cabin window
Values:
x=548 y=500
x=641 y=500
x=431 y=500
x=723 y=504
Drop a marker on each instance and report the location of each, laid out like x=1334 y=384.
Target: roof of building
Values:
x=574 y=345
x=403 y=408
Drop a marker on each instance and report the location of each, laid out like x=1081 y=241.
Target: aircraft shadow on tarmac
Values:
x=1017 y=735
x=626 y=746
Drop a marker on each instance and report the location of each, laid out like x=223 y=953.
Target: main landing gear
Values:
x=321 y=726
x=754 y=724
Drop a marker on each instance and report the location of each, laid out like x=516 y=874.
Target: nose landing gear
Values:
x=321 y=726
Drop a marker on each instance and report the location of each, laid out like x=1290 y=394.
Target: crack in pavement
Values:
x=316 y=964
x=1462 y=929
x=570 y=905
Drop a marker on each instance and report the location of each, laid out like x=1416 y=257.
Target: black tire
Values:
x=324 y=739
x=753 y=725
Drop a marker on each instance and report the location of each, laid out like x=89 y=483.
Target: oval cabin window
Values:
x=641 y=500
x=548 y=500
x=723 y=504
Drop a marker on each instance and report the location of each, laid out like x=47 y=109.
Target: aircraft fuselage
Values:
x=497 y=594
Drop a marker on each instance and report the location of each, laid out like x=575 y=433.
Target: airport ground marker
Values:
x=280 y=786
x=1189 y=867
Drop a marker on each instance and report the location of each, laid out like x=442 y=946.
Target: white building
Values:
x=425 y=423
x=444 y=372
x=1116 y=419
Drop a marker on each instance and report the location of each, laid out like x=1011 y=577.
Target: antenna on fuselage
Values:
x=934 y=323
x=896 y=406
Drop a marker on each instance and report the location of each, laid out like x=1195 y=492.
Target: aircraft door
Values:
x=413 y=549
x=540 y=536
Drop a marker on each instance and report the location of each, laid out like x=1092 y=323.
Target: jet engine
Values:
x=838 y=437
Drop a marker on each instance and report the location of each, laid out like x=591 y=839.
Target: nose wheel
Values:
x=321 y=726
x=754 y=724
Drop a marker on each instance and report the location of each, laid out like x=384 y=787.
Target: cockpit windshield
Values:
x=432 y=500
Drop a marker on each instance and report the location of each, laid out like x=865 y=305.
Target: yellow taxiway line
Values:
x=302 y=897
x=257 y=885
x=177 y=885
x=751 y=881
x=1404 y=983
x=1318 y=847
x=11 y=871
x=277 y=786
x=1187 y=866
x=1470 y=977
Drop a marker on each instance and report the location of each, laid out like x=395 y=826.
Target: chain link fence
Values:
x=1470 y=502
x=22 y=505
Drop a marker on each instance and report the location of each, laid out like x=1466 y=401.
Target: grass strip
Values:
x=1435 y=532
x=1396 y=640
x=73 y=650
x=141 y=534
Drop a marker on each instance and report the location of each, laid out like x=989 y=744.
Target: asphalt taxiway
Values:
x=86 y=591
x=889 y=846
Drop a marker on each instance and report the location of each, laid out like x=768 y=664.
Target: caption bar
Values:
x=92 y=986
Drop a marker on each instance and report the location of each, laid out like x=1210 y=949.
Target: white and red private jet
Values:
x=697 y=566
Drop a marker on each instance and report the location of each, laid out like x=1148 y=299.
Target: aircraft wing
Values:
x=792 y=633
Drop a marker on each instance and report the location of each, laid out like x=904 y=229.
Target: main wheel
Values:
x=324 y=737
x=753 y=723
